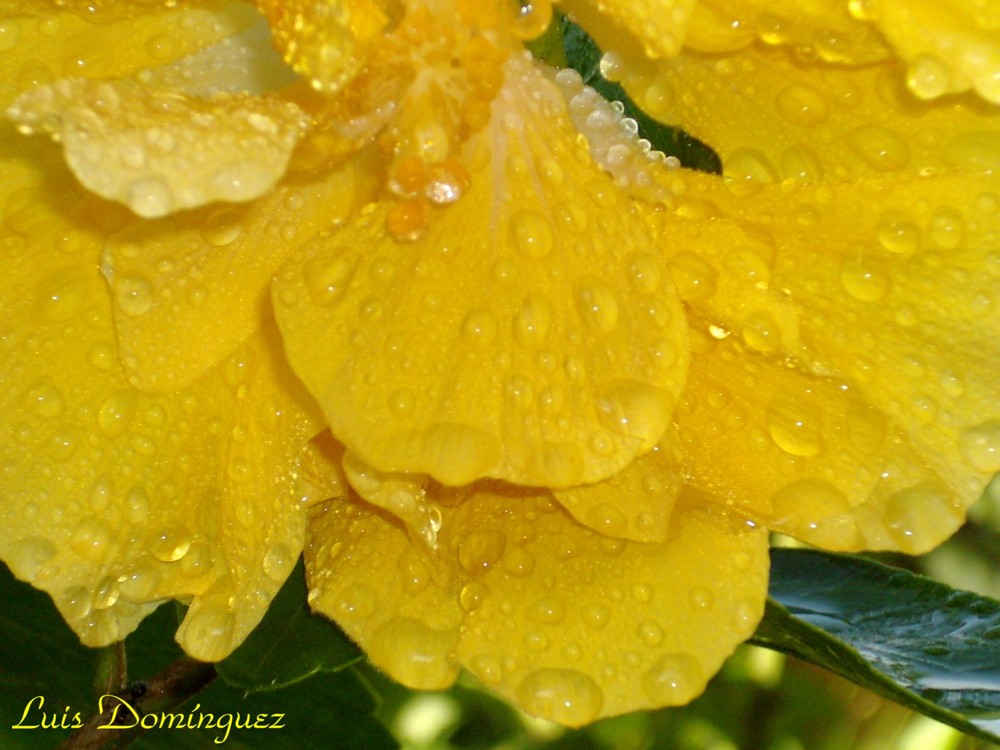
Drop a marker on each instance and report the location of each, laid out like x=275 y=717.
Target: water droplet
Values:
x=645 y=273
x=864 y=277
x=106 y=594
x=481 y=550
x=207 y=632
x=136 y=505
x=650 y=632
x=947 y=228
x=328 y=278
x=487 y=669
x=140 y=584
x=10 y=34
x=480 y=327
x=92 y=539
x=981 y=446
x=117 y=412
x=519 y=563
x=222 y=227
x=472 y=595
x=278 y=562
x=597 y=305
x=134 y=295
x=414 y=653
x=761 y=333
x=702 y=598
x=881 y=149
x=897 y=234
x=694 y=277
x=565 y=696
x=357 y=600
x=921 y=515
x=44 y=400
x=673 y=680
x=29 y=554
x=532 y=320
x=795 y=425
x=150 y=197
x=816 y=512
x=642 y=592
x=928 y=77
x=530 y=233
x=607 y=519
x=596 y=616
x=635 y=410
x=531 y=18
x=171 y=544
x=548 y=610
x=801 y=104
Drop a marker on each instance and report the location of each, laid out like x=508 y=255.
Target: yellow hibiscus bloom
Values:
x=528 y=396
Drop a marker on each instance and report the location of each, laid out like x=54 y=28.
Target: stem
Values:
x=171 y=688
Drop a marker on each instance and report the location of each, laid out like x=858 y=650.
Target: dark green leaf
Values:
x=323 y=711
x=41 y=658
x=583 y=55
x=911 y=639
x=289 y=645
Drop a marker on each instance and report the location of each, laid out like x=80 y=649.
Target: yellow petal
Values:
x=325 y=42
x=529 y=334
x=635 y=503
x=828 y=30
x=882 y=399
x=40 y=43
x=116 y=500
x=190 y=287
x=159 y=151
x=949 y=45
x=657 y=25
x=569 y=624
x=773 y=119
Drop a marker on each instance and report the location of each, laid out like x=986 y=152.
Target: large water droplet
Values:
x=597 y=305
x=816 y=512
x=134 y=295
x=565 y=696
x=532 y=320
x=801 y=104
x=481 y=550
x=673 y=680
x=414 y=653
x=531 y=233
x=171 y=544
x=795 y=424
x=981 y=445
x=117 y=412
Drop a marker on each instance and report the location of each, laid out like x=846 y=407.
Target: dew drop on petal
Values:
x=794 y=425
x=565 y=696
x=672 y=680
x=981 y=445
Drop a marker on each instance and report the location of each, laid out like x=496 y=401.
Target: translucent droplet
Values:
x=519 y=563
x=117 y=412
x=635 y=410
x=694 y=277
x=761 y=333
x=801 y=104
x=864 y=277
x=947 y=228
x=597 y=305
x=171 y=544
x=357 y=600
x=898 y=234
x=532 y=320
x=565 y=696
x=816 y=512
x=328 y=278
x=480 y=327
x=134 y=295
x=44 y=400
x=795 y=425
x=415 y=653
x=531 y=233
x=929 y=77
x=981 y=446
x=140 y=584
x=596 y=615
x=487 y=668
x=278 y=562
x=548 y=610
x=481 y=550
x=207 y=632
x=673 y=680
x=150 y=197
x=881 y=149
x=92 y=539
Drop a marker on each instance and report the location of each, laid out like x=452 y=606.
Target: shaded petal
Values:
x=890 y=368
x=771 y=118
x=160 y=151
x=528 y=334
x=41 y=43
x=190 y=287
x=115 y=500
x=569 y=624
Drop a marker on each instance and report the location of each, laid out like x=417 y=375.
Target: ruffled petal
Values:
x=771 y=119
x=528 y=334
x=160 y=151
x=875 y=397
x=569 y=624
x=41 y=43
x=190 y=287
x=115 y=500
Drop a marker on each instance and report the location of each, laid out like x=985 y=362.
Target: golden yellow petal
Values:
x=635 y=503
x=160 y=151
x=828 y=30
x=115 y=500
x=325 y=42
x=40 y=43
x=189 y=287
x=773 y=119
x=949 y=45
x=569 y=624
x=528 y=334
x=880 y=403
x=658 y=25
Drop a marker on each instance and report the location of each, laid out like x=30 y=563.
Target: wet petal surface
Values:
x=527 y=333
x=568 y=623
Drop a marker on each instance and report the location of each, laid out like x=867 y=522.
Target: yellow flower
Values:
x=528 y=397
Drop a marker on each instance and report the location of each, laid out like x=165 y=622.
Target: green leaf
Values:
x=41 y=657
x=909 y=638
x=581 y=53
x=326 y=710
x=289 y=645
